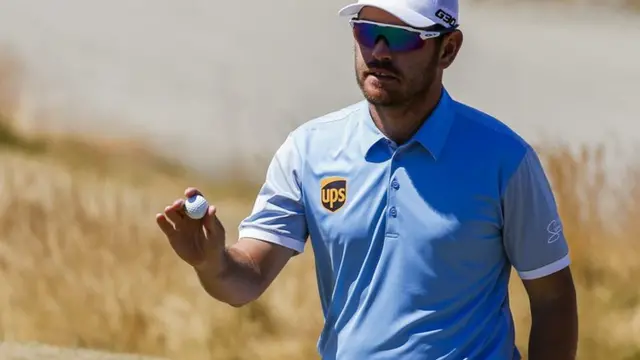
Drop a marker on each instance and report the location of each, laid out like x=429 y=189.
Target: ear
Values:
x=450 y=47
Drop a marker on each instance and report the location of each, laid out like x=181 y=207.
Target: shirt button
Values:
x=391 y=144
x=393 y=212
x=395 y=184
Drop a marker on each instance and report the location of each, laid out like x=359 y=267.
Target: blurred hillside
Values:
x=98 y=130
x=628 y=5
x=204 y=88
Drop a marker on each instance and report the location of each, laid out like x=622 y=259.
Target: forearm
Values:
x=554 y=331
x=235 y=280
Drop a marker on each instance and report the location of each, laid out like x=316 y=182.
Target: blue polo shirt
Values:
x=413 y=244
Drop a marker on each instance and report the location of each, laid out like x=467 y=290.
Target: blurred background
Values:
x=109 y=109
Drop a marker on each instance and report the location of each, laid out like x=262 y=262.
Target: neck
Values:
x=399 y=123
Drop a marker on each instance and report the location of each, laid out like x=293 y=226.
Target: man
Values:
x=416 y=206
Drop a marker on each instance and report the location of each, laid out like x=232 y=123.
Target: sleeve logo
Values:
x=555 y=230
x=333 y=193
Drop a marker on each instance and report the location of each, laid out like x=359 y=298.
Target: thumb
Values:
x=212 y=225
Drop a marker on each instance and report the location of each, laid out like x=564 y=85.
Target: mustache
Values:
x=383 y=65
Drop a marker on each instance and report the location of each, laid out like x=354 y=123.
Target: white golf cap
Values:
x=416 y=13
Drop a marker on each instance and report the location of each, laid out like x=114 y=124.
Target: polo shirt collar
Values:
x=432 y=135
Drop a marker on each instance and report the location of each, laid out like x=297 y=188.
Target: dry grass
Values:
x=601 y=224
x=82 y=264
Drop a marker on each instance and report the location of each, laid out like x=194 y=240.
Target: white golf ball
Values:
x=196 y=207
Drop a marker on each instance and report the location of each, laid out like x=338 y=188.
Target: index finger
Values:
x=165 y=225
x=191 y=191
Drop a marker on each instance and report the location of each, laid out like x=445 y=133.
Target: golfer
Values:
x=417 y=208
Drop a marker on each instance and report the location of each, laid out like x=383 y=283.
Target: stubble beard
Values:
x=415 y=88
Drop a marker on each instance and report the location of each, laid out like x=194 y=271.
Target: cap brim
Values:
x=408 y=16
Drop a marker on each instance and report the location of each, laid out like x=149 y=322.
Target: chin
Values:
x=374 y=93
x=380 y=97
x=378 y=100
x=378 y=93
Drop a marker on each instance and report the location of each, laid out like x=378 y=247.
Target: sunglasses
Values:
x=399 y=38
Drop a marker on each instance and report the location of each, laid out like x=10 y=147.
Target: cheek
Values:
x=419 y=66
x=361 y=54
x=360 y=63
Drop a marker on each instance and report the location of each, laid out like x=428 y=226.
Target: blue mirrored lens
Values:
x=397 y=40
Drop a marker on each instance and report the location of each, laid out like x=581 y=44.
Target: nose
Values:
x=381 y=50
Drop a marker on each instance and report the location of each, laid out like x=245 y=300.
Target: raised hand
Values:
x=200 y=243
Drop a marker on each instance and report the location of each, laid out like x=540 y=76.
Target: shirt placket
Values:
x=393 y=227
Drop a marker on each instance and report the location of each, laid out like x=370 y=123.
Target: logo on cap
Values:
x=446 y=17
x=333 y=193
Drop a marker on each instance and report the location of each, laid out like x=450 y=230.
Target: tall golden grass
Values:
x=82 y=264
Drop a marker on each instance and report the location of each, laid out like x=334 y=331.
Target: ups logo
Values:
x=446 y=17
x=333 y=193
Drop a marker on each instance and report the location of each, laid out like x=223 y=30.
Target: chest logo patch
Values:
x=333 y=193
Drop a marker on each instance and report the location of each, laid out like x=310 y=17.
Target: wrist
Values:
x=213 y=265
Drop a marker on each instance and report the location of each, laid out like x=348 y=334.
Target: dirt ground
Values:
x=15 y=351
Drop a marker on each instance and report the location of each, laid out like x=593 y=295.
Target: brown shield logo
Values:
x=333 y=193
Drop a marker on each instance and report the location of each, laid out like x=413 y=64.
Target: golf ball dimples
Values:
x=196 y=207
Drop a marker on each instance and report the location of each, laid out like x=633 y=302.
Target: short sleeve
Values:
x=533 y=236
x=278 y=214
